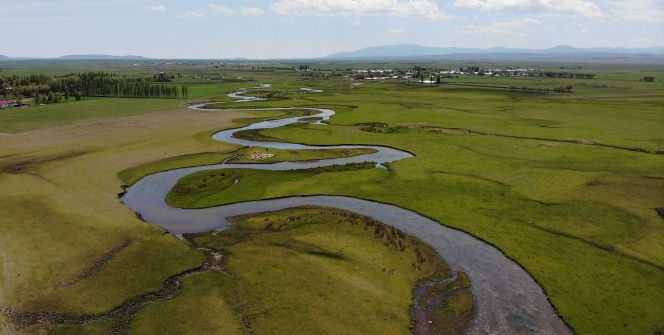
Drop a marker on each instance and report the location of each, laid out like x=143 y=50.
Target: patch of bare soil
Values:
x=584 y=142
x=660 y=211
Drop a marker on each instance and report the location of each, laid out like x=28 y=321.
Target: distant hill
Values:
x=75 y=57
x=559 y=53
x=100 y=57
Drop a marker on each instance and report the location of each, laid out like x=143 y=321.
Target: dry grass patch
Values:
x=60 y=210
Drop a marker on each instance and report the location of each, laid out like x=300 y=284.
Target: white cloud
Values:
x=159 y=8
x=396 y=31
x=252 y=10
x=639 y=10
x=521 y=28
x=192 y=14
x=221 y=9
x=565 y=7
x=357 y=24
x=345 y=8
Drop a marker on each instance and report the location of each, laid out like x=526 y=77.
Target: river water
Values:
x=507 y=299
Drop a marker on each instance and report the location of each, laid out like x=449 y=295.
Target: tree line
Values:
x=47 y=89
x=563 y=74
x=557 y=89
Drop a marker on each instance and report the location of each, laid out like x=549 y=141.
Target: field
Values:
x=564 y=183
x=298 y=270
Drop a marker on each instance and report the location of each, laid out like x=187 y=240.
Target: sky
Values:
x=273 y=29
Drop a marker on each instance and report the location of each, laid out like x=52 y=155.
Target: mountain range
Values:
x=561 y=53
x=410 y=50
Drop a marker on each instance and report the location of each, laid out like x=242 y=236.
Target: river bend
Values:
x=507 y=299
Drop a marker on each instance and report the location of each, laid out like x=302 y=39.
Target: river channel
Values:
x=507 y=299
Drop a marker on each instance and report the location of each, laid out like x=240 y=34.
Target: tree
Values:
x=648 y=79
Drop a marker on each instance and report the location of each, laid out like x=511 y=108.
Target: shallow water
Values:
x=507 y=299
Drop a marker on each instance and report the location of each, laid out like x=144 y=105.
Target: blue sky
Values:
x=261 y=29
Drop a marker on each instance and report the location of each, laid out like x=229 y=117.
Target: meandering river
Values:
x=507 y=299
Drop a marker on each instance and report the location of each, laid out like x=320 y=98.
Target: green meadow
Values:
x=564 y=183
x=300 y=270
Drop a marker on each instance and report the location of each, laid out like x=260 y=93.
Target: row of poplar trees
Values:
x=90 y=84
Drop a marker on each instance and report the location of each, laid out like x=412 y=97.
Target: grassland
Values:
x=565 y=184
x=312 y=270
x=61 y=216
x=245 y=155
x=215 y=187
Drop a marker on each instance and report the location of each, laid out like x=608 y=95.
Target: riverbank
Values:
x=508 y=299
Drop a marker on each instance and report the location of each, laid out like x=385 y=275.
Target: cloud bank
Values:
x=345 y=8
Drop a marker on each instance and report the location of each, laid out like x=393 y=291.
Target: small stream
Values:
x=507 y=299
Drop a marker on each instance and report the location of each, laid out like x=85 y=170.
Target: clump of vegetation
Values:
x=648 y=79
x=448 y=304
x=461 y=282
x=457 y=313
x=274 y=95
x=371 y=126
x=530 y=89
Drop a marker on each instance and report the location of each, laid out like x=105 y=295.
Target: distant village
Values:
x=430 y=76
x=433 y=75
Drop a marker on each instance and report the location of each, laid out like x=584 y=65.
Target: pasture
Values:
x=564 y=183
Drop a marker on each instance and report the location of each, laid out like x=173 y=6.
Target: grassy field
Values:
x=254 y=154
x=215 y=187
x=61 y=219
x=565 y=184
x=313 y=270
